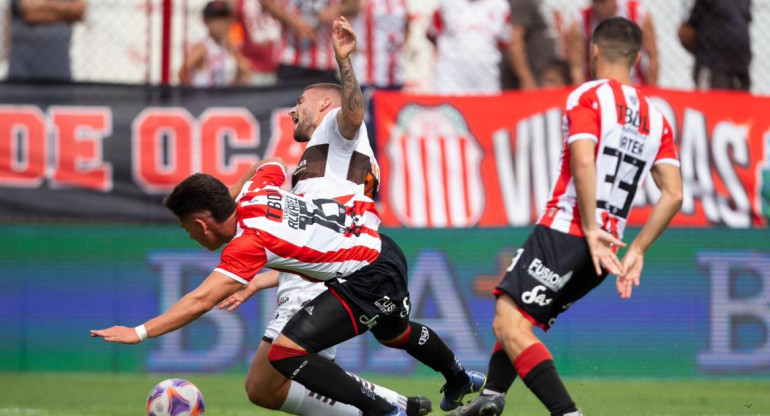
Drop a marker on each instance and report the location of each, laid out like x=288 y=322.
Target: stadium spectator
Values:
x=41 y=31
x=469 y=36
x=382 y=28
x=579 y=37
x=214 y=61
x=307 y=51
x=257 y=35
x=717 y=33
x=556 y=74
x=533 y=46
x=573 y=247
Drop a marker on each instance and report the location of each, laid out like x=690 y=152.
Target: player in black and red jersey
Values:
x=614 y=137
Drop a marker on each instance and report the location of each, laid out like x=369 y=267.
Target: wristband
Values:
x=142 y=332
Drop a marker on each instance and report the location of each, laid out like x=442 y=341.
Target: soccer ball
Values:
x=175 y=397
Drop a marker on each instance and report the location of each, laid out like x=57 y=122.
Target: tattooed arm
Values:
x=351 y=116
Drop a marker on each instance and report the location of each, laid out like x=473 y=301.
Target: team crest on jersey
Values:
x=435 y=174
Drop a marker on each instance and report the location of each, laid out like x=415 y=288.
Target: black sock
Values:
x=545 y=383
x=326 y=378
x=501 y=372
x=424 y=345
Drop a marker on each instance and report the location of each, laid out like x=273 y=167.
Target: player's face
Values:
x=303 y=116
x=197 y=228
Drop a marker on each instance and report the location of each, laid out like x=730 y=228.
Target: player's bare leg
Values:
x=531 y=358
x=268 y=388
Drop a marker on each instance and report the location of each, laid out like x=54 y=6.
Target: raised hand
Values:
x=343 y=38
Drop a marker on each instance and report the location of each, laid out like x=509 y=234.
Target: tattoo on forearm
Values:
x=351 y=91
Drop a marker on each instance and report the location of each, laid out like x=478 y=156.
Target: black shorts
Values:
x=374 y=298
x=548 y=274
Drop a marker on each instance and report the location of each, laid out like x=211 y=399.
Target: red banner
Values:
x=490 y=161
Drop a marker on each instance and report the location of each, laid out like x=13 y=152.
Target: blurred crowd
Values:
x=480 y=46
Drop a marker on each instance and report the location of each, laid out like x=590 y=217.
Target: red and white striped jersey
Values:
x=318 y=54
x=632 y=10
x=380 y=32
x=631 y=137
x=318 y=239
x=469 y=37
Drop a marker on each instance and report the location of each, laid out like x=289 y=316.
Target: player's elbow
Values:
x=354 y=119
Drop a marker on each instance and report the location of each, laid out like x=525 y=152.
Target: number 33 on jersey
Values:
x=631 y=137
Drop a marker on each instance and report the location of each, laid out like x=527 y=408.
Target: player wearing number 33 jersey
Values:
x=613 y=138
x=631 y=136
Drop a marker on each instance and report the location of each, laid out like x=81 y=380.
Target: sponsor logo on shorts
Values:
x=369 y=322
x=535 y=296
x=424 y=335
x=309 y=310
x=546 y=276
x=386 y=305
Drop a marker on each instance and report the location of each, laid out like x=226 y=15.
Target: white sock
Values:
x=303 y=402
x=391 y=396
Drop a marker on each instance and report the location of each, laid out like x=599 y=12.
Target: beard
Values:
x=302 y=132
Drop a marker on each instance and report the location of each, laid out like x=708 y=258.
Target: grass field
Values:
x=66 y=394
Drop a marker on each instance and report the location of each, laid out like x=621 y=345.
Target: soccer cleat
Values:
x=453 y=397
x=482 y=406
x=397 y=412
x=418 y=406
x=576 y=413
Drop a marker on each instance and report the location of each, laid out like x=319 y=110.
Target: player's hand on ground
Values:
x=633 y=261
x=600 y=244
x=343 y=37
x=121 y=334
x=237 y=299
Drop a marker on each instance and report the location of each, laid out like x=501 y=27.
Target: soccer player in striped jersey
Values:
x=335 y=241
x=613 y=137
x=320 y=239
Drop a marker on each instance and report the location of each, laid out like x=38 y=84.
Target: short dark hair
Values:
x=618 y=39
x=217 y=9
x=198 y=193
x=327 y=86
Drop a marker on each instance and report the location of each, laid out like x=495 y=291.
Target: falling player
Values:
x=613 y=138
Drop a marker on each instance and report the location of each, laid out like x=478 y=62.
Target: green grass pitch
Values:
x=66 y=394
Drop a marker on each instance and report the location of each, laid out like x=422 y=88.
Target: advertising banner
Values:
x=701 y=310
x=110 y=152
x=490 y=161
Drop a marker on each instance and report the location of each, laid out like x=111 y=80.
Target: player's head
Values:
x=203 y=206
x=218 y=17
x=616 y=41
x=316 y=100
x=604 y=9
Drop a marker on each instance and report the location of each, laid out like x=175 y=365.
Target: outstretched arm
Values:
x=351 y=115
x=669 y=180
x=192 y=306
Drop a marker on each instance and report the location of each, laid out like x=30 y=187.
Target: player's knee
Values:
x=262 y=395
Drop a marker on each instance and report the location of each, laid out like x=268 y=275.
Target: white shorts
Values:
x=293 y=294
